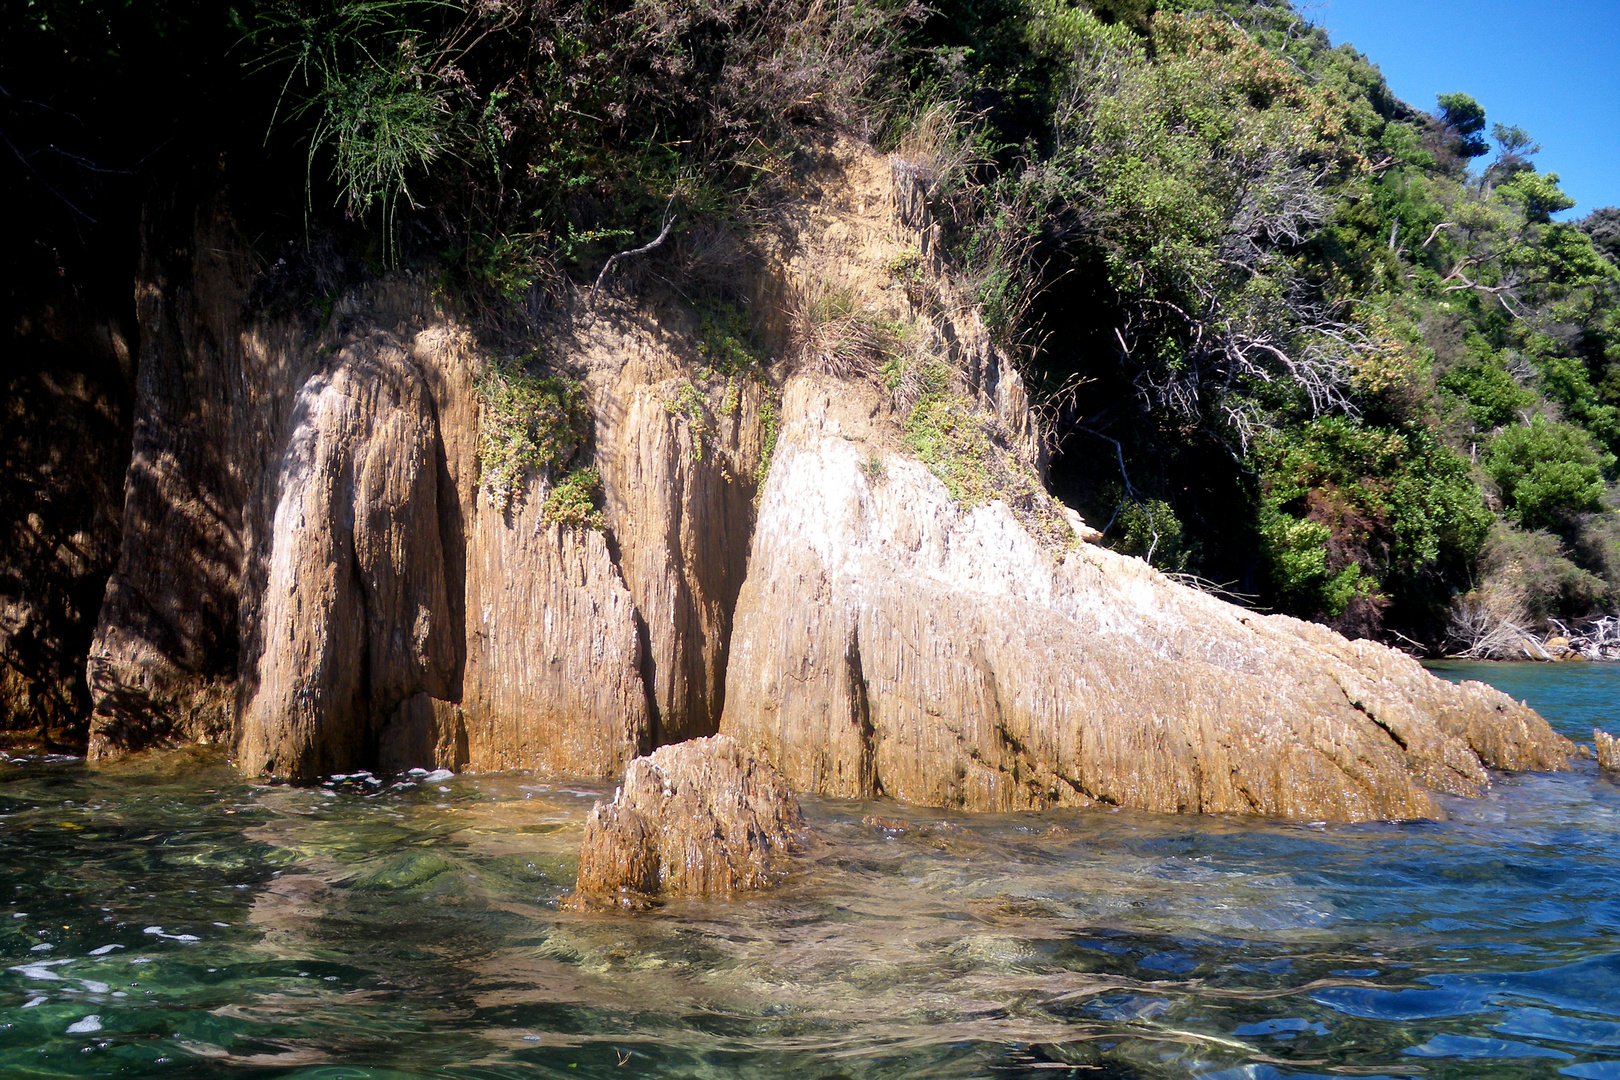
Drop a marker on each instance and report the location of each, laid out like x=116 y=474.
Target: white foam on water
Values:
x=95 y=987
x=41 y=969
x=438 y=774
x=43 y=946
x=104 y=950
x=85 y=1026
x=31 y=1002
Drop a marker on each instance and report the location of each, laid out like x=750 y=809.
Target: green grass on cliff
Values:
x=527 y=424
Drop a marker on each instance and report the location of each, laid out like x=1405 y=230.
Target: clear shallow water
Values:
x=201 y=927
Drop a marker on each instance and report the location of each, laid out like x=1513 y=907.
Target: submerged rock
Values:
x=700 y=818
x=1608 y=750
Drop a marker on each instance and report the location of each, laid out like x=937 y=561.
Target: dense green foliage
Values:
x=528 y=424
x=1323 y=347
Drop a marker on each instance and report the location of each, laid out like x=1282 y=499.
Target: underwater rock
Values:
x=1608 y=750
x=699 y=818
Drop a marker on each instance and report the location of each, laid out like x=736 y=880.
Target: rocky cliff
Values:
x=313 y=572
x=889 y=641
x=315 y=569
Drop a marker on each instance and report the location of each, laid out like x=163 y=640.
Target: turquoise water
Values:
x=167 y=920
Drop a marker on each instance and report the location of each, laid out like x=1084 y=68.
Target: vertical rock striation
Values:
x=889 y=641
x=310 y=568
x=554 y=657
x=355 y=609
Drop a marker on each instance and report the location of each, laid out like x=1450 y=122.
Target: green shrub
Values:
x=575 y=501
x=1492 y=397
x=1547 y=472
x=688 y=404
x=726 y=339
x=1349 y=509
x=770 y=429
x=1302 y=578
x=1150 y=530
x=528 y=423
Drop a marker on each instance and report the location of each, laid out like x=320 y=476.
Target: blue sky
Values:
x=1551 y=67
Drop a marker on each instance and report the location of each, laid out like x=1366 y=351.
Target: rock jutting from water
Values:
x=698 y=818
x=1608 y=750
x=846 y=561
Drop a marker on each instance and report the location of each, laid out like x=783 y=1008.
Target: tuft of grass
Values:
x=837 y=336
x=528 y=423
x=576 y=500
x=963 y=447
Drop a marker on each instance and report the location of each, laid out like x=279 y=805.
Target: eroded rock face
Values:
x=888 y=641
x=65 y=381
x=162 y=665
x=701 y=818
x=554 y=658
x=356 y=616
x=303 y=493
x=677 y=459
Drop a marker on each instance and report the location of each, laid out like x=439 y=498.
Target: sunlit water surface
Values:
x=167 y=920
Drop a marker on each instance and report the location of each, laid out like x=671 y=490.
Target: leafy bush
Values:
x=1350 y=510
x=1547 y=472
x=575 y=501
x=1150 y=530
x=528 y=423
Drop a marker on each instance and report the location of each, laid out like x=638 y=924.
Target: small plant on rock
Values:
x=575 y=501
x=835 y=335
x=528 y=423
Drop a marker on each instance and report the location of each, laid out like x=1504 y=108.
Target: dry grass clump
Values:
x=835 y=334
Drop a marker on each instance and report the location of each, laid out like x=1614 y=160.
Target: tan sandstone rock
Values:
x=700 y=818
x=1608 y=750
x=888 y=641
x=356 y=616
